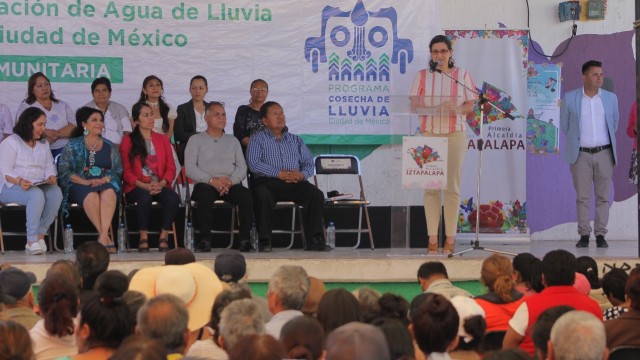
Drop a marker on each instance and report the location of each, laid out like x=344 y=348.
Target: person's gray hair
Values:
x=291 y=284
x=164 y=318
x=578 y=327
x=240 y=318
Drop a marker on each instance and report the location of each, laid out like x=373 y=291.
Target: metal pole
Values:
x=637 y=29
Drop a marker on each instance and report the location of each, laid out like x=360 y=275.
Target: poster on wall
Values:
x=424 y=162
x=497 y=61
x=543 y=114
x=332 y=64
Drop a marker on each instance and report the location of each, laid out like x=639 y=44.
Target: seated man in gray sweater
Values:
x=215 y=163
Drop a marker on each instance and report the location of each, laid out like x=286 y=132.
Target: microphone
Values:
x=433 y=67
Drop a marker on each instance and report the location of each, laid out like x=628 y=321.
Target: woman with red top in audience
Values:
x=148 y=171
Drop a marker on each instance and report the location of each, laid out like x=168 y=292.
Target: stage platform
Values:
x=348 y=265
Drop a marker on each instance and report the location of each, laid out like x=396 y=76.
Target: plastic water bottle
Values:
x=188 y=241
x=68 y=239
x=331 y=235
x=253 y=235
x=122 y=239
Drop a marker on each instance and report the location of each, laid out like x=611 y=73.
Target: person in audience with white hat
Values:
x=195 y=285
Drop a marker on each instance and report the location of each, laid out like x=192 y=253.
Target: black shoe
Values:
x=265 y=246
x=601 y=242
x=583 y=242
x=245 y=246
x=203 y=246
x=318 y=247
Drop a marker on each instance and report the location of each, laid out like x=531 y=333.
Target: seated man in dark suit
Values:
x=280 y=163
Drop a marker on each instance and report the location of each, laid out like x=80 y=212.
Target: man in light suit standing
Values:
x=589 y=120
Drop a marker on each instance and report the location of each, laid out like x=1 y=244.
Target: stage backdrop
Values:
x=497 y=61
x=332 y=64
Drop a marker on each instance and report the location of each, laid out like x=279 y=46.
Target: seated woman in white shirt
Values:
x=28 y=176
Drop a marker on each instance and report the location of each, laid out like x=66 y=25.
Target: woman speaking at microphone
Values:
x=439 y=81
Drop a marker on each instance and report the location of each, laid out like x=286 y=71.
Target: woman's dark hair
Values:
x=541 y=331
x=441 y=39
x=613 y=283
x=16 y=342
x=257 y=347
x=162 y=105
x=31 y=97
x=398 y=337
x=588 y=267
x=394 y=307
x=101 y=81
x=140 y=348
x=138 y=145
x=223 y=299
x=82 y=116
x=264 y=109
x=254 y=82
x=199 y=77
x=435 y=324
x=24 y=125
x=68 y=269
x=336 y=308
x=475 y=326
x=530 y=269
x=303 y=338
x=58 y=300
x=106 y=313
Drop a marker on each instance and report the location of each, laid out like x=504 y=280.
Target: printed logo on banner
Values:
x=424 y=162
x=360 y=47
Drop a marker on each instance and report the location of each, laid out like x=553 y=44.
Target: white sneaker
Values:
x=33 y=248
x=43 y=245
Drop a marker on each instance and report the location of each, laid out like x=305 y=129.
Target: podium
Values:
x=418 y=161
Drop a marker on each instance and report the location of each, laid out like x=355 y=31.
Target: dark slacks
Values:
x=268 y=191
x=167 y=197
x=204 y=195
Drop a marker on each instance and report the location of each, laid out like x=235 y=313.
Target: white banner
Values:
x=424 y=162
x=497 y=61
x=332 y=64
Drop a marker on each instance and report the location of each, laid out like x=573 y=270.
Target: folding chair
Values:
x=16 y=207
x=154 y=205
x=221 y=204
x=295 y=213
x=345 y=165
x=76 y=207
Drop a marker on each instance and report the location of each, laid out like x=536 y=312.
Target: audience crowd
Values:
x=184 y=309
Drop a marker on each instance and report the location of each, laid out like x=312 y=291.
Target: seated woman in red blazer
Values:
x=148 y=171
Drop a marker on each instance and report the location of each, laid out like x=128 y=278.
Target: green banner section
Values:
x=322 y=139
x=69 y=69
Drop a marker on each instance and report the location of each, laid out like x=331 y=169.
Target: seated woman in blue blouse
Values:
x=89 y=171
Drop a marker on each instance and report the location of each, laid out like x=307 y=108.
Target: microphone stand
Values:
x=483 y=100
